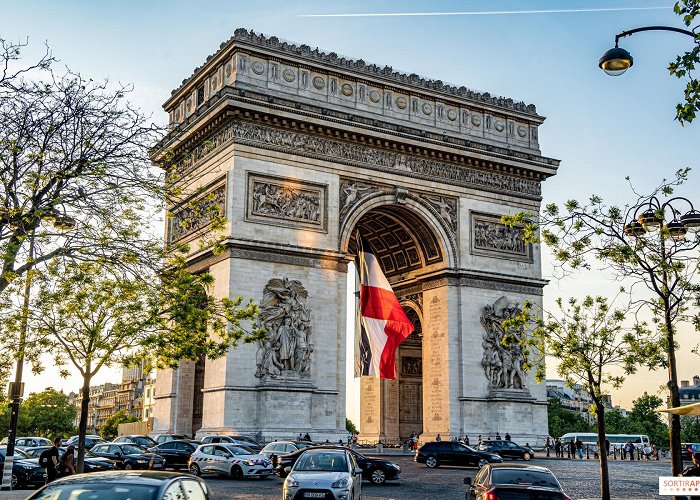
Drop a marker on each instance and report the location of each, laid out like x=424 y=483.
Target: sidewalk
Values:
x=14 y=495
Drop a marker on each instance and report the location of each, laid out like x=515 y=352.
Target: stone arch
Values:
x=402 y=205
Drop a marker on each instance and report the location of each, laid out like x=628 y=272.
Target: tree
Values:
x=685 y=64
x=659 y=267
x=49 y=413
x=690 y=429
x=111 y=426
x=350 y=426
x=562 y=421
x=644 y=419
x=615 y=422
x=588 y=339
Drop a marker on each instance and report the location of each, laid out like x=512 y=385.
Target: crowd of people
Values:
x=626 y=451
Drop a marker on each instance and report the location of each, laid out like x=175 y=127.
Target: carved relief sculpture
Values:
x=447 y=208
x=353 y=191
x=286 y=202
x=492 y=238
x=503 y=364
x=286 y=353
x=196 y=214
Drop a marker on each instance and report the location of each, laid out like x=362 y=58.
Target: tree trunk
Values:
x=602 y=452
x=82 y=425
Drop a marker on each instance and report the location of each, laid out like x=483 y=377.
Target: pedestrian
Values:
x=454 y=439
x=579 y=448
x=478 y=441
x=340 y=442
x=49 y=460
x=572 y=449
x=557 y=447
x=466 y=440
x=498 y=437
x=67 y=466
x=508 y=437
x=693 y=470
x=607 y=446
x=307 y=437
x=300 y=437
x=438 y=437
x=647 y=451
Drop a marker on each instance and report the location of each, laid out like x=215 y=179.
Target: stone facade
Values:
x=298 y=149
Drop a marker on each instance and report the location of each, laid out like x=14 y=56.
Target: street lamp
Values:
x=616 y=60
x=669 y=226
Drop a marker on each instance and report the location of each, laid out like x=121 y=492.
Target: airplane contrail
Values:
x=483 y=13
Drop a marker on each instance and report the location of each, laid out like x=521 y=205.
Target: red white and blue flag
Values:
x=383 y=324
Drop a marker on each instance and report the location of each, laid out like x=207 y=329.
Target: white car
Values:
x=230 y=460
x=324 y=473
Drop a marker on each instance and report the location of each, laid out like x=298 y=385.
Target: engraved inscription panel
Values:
x=286 y=202
x=491 y=238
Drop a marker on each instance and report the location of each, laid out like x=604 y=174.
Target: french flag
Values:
x=383 y=324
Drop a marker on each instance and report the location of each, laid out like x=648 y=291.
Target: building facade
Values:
x=300 y=151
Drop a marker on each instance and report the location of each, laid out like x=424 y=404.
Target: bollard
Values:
x=568 y=452
x=657 y=454
x=587 y=454
x=614 y=452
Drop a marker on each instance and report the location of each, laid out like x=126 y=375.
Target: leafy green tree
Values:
x=690 y=429
x=616 y=422
x=685 y=64
x=588 y=340
x=350 y=426
x=111 y=426
x=49 y=413
x=562 y=421
x=658 y=268
x=644 y=419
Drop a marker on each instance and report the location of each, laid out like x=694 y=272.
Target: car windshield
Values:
x=132 y=448
x=246 y=439
x=238 y=450
x=143 y=441
x=93 y=490
x=301 y=446
x=18 y=453
x=525 y=477
x=468 y=447
x=322 y=462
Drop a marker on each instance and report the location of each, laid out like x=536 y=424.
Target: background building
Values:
x=576 y=400
x=690 y=393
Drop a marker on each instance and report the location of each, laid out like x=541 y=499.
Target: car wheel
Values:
x=431 y=462
x=378 y=476
x=195 y=470
x=236 y=472
x=526 y=456
x=483 y=462
x=14 y=481
x=128 y=466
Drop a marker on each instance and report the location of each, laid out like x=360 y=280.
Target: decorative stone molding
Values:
x=353 y=192
x=503 y=364
x=196 y=213
x=491 y=238
x=287 y=202
x=411 y=366
x=446 y=208
x=286 y=352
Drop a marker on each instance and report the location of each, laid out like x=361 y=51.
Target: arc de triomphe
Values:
x=298 y=149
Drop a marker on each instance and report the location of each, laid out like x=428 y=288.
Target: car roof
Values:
x=325 y=450
x=520 y=467
x=191 y=441
x=137 y=476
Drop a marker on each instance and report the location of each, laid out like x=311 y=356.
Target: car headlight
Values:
x=340 y=483
x=248 y=462
x=291 y=482
x=142 y=461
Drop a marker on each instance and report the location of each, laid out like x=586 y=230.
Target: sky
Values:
x=601 y=128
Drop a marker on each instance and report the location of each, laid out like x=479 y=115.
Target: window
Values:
x=184 y=447
x=522 y=476
x=207 y=450
x=148 y=392
x=193 y=490
x=220 y=452
x=168 y=446
x=174 y=492
x=114 y=450
x=100 y=449
x=200 y=95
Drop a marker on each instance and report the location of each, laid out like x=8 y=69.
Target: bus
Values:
x=617 y=441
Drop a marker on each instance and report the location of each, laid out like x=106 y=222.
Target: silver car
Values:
x=230 y=460
x=324 y=473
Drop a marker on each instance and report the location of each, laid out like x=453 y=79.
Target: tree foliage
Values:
x=562 y=421
x=47 y=413
x=350 y=426
x=111 y=426
x=644 y=419
x=690 y=429
x=685 y=64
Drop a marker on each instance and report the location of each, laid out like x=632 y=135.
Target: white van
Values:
x=617 y=441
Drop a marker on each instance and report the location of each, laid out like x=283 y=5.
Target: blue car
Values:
x=26 y=471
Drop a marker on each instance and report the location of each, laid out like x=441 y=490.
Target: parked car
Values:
x=687 y=450
x=129 y=456
x=238 y=440
x=25 y=469
x=92 y=462
x=507 y=449
x=120 y=484
x=374 y=470
x=144 y=441
x=524 y=482
x=176 y=453
x=277 y=448
x=324 y=473
x=229 y=460
x=438 y=453
x=164 y=438
x=90 y=441
x=22 y=443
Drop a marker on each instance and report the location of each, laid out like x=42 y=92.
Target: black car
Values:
x=129 y=456
x=164 y=438
x=90 y=441
x=439 y=453
x=121 y=484
x=92 y=463
x=524 y=482
x=687 y=450
x=25 y=469
x=374 y=470
x=176 y=453
x=144 y=441
x=507 y=449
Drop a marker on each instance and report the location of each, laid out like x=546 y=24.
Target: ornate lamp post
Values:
x=616 y=60
x=650 y=224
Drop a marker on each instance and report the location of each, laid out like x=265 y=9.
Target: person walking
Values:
x=68 y=461
x=49 y=460
x=438 y=437
x=607 y=447
x=579 y=448
x=572 y=449
x=478 y=441
x=498 y=437
x=508 y=437
x=307 y=437
x=557 y=448
x=466 y=440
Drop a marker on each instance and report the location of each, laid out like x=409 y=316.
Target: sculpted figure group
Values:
x=503 y=365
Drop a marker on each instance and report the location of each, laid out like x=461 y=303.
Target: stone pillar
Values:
x=370 y=409
x=174 y=396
